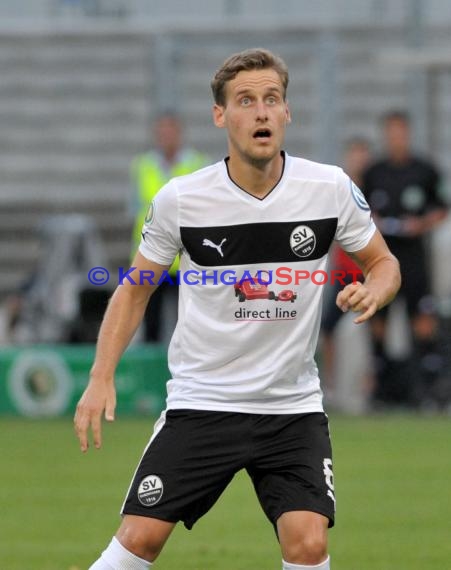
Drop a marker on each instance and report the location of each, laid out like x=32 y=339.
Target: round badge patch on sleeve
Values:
x=358 y=196
x=150 y=213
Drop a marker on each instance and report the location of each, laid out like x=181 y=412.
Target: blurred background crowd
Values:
x=101 y=102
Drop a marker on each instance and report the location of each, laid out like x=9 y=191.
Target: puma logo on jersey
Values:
x=209 y=243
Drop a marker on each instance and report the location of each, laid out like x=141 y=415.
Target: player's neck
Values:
x=256 y=179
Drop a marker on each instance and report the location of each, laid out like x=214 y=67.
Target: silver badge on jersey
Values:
x=303 y=241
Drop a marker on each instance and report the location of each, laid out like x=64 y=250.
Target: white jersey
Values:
x=251 y=282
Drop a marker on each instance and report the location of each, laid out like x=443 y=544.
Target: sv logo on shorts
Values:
x=329 y=475
x=150 y=490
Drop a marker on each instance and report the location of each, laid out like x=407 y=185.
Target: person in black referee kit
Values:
x=403 y=192
x=244 y=390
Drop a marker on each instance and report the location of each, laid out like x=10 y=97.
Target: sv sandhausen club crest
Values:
x=303 y=241
x=150 y=490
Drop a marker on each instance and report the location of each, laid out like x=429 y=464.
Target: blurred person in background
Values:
x=357 y=157
x=149 y=172
x=402 y=190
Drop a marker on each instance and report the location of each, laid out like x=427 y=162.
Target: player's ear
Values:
x=218 y=116
x=288 y=114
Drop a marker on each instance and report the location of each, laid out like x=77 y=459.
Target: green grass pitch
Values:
x=59 y=508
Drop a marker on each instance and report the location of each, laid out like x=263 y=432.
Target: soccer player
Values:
x=244 y=392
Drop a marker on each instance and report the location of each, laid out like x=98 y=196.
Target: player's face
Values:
x=255 y=116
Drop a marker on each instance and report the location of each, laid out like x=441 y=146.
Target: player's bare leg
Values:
x=144 y=536
x=136 y=545
x=303 y=539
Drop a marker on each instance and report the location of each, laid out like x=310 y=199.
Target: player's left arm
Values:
x=382 y=280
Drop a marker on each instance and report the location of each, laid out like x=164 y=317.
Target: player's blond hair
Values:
x=247 y=60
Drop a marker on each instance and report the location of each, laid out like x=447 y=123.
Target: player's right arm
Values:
x=122 y=318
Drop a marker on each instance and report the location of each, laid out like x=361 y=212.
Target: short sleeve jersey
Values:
x=252 y=274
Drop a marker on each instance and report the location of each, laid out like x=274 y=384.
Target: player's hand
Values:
x=99 y=397
x=358 y=298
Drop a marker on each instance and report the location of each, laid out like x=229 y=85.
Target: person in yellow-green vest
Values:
x=149 y=172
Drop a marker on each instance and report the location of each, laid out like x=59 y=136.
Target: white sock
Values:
x=116 y=557
x=323 y=566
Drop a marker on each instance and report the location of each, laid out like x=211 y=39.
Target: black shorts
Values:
x=194 y=455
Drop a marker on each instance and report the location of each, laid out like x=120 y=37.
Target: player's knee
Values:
x=310 y=548
x=145 y=540
x=139 y=544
